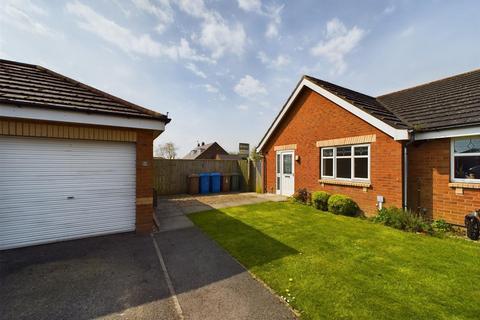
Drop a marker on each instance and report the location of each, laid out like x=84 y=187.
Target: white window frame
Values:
x=352 y=158
x=333 y=161
x=452 y=160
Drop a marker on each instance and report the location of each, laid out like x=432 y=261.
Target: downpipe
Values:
x=405 y=169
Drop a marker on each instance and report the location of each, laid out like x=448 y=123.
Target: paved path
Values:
x=171 y=210
x=210 y=284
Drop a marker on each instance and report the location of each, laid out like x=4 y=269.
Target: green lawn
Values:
x=340 y=267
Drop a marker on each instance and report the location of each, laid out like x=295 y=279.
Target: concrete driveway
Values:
x=175 y=274
x=109 y=277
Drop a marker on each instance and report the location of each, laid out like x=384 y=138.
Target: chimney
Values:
x=203 y=143
x=198 y=144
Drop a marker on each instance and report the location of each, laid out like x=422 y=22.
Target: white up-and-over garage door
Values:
x=54 y=189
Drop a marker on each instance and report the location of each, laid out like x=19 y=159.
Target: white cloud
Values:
x=24 y=15
x=194 y=69
x=389 y=10
x=188 y=53
x=278 y=62
x=274 y=14
x=243 y=107
x=216 y=34
x=338 y=43
x=407 y=32
x=249 y=87
x=212 y=89
x=124 y=39
x=250 y=5
x=160 y=9
x=121 y=5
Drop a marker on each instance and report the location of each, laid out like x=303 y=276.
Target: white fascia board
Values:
x=44 y=114
x=396 y=134
x=449 y=133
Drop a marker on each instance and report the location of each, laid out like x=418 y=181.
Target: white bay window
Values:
x=345 y=163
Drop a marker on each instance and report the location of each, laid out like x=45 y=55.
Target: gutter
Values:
x=405 y=168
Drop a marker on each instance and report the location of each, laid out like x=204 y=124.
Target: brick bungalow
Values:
x=417 y=148
x=74 y=161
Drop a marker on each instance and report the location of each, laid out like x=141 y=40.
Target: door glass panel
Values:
x=287 y=164
x=278 y=163
x=278 y=183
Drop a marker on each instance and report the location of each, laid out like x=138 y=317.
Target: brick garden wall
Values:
x=429 y=176
x=313 y=118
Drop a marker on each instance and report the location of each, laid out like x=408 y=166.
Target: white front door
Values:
x=285 y=173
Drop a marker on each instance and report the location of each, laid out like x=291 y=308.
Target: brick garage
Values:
x=80 y=157
x=419 y=124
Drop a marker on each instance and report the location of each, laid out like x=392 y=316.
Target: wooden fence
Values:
x=170 y=176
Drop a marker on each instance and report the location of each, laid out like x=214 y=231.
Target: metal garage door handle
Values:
x=71 y=197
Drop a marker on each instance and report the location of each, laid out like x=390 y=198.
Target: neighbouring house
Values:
x=417 y=148
x=74 y=161
x=205 y=151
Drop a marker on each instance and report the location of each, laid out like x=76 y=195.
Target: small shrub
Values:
x=340 y=204
x=442 y=226
x=402 y=219
x=320 y=200
x=302 y=196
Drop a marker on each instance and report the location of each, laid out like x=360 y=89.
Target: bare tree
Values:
x=167 y=151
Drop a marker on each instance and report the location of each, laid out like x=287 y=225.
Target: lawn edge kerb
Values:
x=263 y=283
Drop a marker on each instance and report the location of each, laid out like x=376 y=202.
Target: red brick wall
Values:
x=144 y=206
x=429 y=175
x=313 y=118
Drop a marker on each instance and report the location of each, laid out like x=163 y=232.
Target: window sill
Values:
x=346 y=183
x=464 y=185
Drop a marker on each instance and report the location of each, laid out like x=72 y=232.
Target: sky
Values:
x=223 y=69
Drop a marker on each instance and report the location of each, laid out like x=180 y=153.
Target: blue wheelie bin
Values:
x=204 y=182
x=215 y=182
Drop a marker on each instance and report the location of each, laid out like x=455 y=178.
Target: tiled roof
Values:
x=448 y=103
x=366 y=103
x=31 y=85
x=195 y=153
x=452 y=102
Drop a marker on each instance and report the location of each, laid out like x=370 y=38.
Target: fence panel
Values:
x=170 y=176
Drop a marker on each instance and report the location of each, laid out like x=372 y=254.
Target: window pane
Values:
x=467 y=167
x=344 y=168
x=344 y=151
x=278 y=163
x=278 y=183
x=467 y=145
x=287 y=164
x=327 y=152
x=328 y=167
x=361 y=151
x=361 y=168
